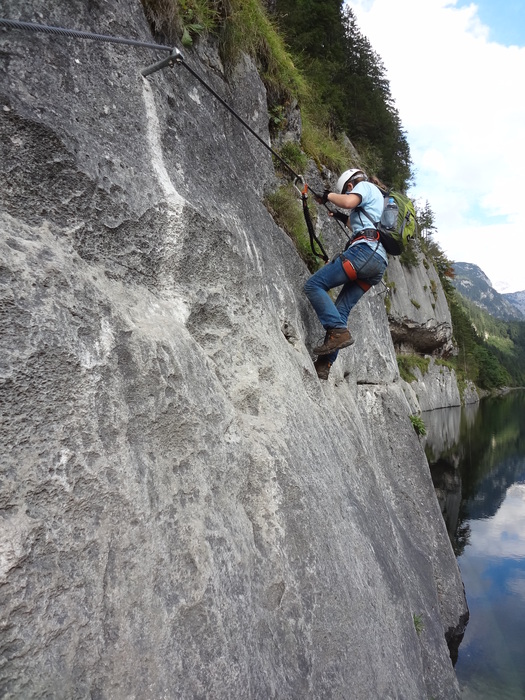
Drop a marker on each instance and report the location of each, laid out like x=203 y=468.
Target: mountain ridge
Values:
x=517 y=299
x=473 y=284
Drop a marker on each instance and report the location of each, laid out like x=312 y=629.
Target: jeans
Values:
x=370 y=267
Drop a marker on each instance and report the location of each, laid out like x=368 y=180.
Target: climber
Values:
x=358 y=268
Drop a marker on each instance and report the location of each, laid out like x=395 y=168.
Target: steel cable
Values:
x=34 y=27
x=177 y=58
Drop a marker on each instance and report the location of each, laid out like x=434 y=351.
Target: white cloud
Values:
x=517 y=587
x=460 y=100
x=502 y=536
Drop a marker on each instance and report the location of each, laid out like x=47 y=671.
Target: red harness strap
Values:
x=352 y=274
x=349 y=269
x=365 y=286
x=363 y=237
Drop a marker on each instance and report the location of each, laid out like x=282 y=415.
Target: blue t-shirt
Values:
x=372 y=202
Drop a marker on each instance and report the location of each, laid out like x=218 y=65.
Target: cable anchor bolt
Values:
x=174 y=57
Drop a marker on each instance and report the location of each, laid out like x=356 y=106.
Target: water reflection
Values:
x=477 y=459
x=475 y=453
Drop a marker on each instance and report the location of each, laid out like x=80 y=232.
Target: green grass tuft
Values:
x=407 y=363
x=286 y=209
x=419 y=425
x=418 y=624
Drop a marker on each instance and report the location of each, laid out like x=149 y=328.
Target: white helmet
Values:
x=346 y=177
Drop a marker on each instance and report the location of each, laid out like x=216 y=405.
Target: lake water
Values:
x=477 y=459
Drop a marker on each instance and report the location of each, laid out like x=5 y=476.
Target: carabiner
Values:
x=304 y=191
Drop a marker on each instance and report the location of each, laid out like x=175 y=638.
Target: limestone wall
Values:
x=187 y=512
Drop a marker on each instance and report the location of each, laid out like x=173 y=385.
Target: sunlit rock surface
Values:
x=186 y=510
x=419 y=315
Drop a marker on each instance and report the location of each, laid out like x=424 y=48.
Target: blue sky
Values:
x=505 y=20
x=457 y=84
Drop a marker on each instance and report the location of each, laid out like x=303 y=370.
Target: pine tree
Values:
x=350 y=80
x=426 y=220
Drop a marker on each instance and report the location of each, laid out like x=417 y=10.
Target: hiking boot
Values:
x=335 y=339
x=322 y=367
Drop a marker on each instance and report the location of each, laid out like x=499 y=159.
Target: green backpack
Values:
x=398 y=222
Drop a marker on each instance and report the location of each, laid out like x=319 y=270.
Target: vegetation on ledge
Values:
x=311 y=53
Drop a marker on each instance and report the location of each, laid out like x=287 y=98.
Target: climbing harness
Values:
x=351 y=273
x=176 y=58
x=368 y=234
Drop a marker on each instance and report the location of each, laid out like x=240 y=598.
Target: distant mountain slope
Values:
x=517 y=299
x=472 y=283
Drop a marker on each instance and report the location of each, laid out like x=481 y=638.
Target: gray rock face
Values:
x=186 y=511
x=419 y=315
x=420 y=323
x=437 y=388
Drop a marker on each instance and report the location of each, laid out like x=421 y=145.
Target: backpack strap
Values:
x=363 y=211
